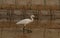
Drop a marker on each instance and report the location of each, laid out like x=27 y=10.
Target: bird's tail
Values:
x=17 y=23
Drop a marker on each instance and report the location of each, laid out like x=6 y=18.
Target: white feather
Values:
x=26 y=21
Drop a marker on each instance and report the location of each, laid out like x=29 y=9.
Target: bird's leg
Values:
x=24 y=28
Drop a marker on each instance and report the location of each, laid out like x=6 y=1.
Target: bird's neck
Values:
x=32 y=18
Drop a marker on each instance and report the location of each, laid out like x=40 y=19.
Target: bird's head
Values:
x=32 y=16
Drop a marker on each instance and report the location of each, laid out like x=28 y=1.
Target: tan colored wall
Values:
x=25 y=2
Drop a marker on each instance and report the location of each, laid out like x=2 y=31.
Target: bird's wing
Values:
x=24 y=21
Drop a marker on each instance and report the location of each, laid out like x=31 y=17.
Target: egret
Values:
x=26 y=21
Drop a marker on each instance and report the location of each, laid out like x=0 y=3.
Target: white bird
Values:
x=26 y=21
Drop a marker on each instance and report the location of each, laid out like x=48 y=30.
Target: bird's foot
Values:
x=27 y=31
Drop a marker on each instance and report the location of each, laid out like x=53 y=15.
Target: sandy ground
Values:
x=35 y=24
x=36 y=33
x=39 y=30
